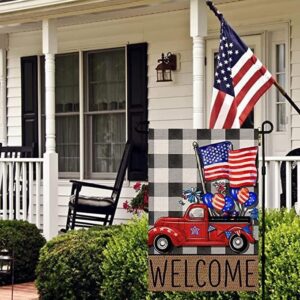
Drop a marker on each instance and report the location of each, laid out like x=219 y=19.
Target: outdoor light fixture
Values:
x=7 y=266
x=166 y=65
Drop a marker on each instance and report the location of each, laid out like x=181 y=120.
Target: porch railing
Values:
x=274 y=183
x=20 y=189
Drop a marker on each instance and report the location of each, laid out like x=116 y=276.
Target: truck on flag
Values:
x=198 y=228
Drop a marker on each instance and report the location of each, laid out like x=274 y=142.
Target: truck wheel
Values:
x=238 y=243
x=163 y=244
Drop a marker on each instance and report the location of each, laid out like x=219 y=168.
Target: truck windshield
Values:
x=196 y=213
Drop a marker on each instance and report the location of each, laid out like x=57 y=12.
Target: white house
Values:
x=77 y=77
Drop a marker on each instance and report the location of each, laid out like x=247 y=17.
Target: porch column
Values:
x=50 y=175
x=3 y=85
x=198 y=30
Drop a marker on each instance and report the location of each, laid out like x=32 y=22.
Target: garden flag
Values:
x=240 y=80
x=203 y=234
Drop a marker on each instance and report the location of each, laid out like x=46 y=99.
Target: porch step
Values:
x=23 y=291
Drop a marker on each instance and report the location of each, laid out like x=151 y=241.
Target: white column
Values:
x=3 y=86
x=50 y=174
x=198 y=30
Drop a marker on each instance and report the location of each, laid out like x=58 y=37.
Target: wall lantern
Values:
x=166 y=65
x=7 y=267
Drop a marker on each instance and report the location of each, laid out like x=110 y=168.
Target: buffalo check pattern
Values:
x=172 y=168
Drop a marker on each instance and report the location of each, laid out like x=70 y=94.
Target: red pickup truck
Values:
x=197 y=228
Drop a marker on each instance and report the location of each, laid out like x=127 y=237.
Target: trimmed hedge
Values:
x=69 y=266
x=25 y=240
x=113 y=264
x=128 y=249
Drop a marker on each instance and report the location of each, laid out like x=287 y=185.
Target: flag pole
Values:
x=263 y=132
x=214 y=9
x=195 y=146
x=286 y=96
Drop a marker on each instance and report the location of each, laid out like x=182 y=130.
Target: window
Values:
x=280 y=73
x=196 y=213
x=67 y=112
x=113 y=104
x=105 y=110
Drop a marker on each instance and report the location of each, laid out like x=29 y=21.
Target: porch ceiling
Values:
x=31 y=11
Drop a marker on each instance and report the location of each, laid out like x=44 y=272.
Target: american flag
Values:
x=242 y=167
x=240 y=80
x=214 y=160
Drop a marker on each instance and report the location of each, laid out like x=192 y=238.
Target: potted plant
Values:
x=140 y=202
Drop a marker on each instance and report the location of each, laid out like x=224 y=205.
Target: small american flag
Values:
x=214 y=160
x=242 y=167
x=240 y=80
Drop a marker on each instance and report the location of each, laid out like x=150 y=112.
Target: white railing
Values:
x=20 y=189
x=273 y=182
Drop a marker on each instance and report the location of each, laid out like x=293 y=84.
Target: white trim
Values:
x=81 y=116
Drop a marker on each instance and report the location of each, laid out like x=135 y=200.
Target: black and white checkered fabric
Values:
x=173 y=168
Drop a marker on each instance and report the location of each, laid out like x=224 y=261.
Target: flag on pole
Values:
x=240 y=80
x=242 y=167
x=214 y=160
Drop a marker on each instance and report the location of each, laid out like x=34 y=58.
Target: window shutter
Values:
x=29 y=102
x=137 y=107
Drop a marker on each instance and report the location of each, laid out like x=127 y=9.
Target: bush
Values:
x=25 y=240
x=69 y=266
x=125 y=265
x=112 y=264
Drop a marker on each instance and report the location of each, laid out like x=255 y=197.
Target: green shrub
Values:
x=125 y=265
x=283 y=260
x=75 y=266
x=69 y=266
x=25 y=240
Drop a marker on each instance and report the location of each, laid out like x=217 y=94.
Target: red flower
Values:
x=146 y=198
x=137 y=186
x=125 y=205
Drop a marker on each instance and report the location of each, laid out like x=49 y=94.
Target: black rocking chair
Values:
x=84 y=211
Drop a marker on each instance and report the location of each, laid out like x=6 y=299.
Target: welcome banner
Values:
x=203 y=216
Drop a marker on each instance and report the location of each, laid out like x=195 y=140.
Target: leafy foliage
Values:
x=25 y=241
x=125 y=265
x=69 y=266
x=112 y=264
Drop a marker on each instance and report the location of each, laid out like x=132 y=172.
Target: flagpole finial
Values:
x=212 y=7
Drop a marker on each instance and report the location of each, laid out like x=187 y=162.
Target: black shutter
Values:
x=29 y=102
x=137 y=110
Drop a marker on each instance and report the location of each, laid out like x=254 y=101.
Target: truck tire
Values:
x=238 y=243
x=163 y=244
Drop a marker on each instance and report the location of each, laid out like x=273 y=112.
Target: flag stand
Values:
x=263 y=132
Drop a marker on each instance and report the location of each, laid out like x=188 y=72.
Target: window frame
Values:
x=87 y=116
x=85 y=138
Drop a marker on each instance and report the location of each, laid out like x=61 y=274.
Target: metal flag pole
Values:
x=287 y=97
x=263 y=132
x=195 y=146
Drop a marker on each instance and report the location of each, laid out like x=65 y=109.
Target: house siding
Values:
x=170 y=104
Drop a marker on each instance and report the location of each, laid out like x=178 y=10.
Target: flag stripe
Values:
x=242 y=167
x=244 y=70
x=255 y=98
x=250 y=85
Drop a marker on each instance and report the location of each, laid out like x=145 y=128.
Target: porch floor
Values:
x=23 y=291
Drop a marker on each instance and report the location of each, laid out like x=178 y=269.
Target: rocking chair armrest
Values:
x=92 y=185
